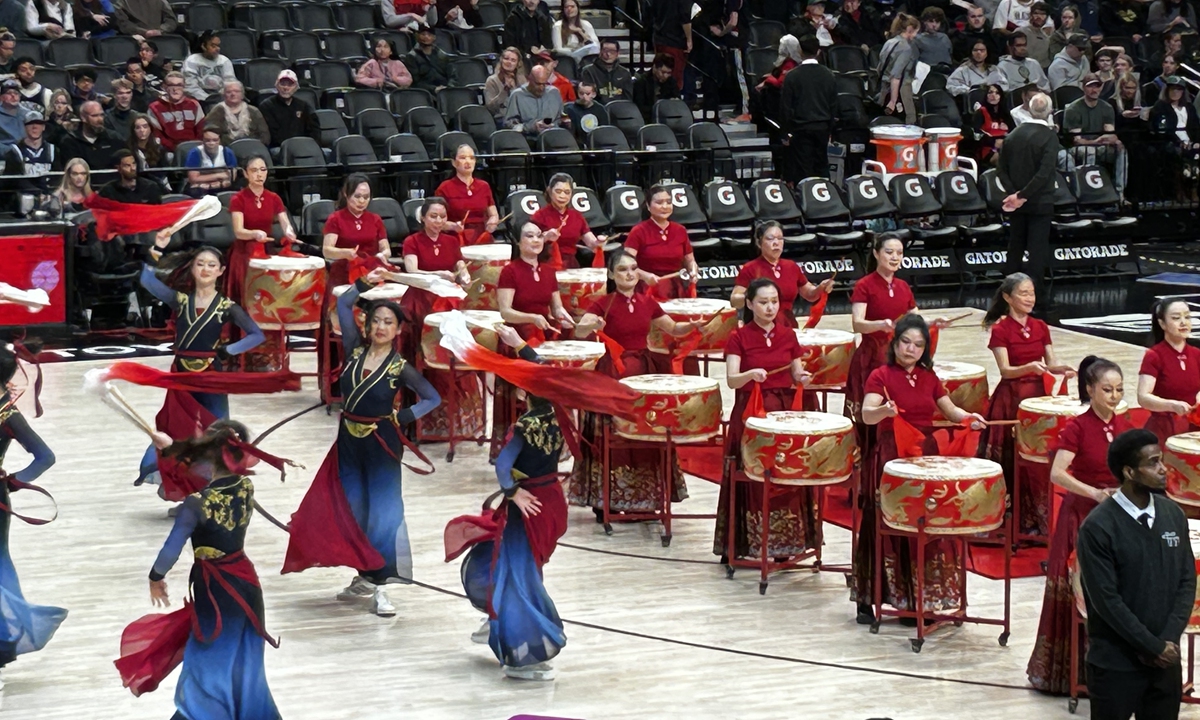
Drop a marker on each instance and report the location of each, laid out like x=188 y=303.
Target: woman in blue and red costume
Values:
x=1080 y=466
x=905 y=384
x=432 y=251
x=786 y=274
x=763 y=344
x=353 y=513
x=202 y=316
x=528 y=298
x=220 y=633
x=1024 y=355
x=24 y=627
x=625 y=316
x=1169 y=379
x=663 y=249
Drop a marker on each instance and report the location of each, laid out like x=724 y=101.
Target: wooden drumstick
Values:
x=114 y=399
x=779 y=369
x=1000 y=422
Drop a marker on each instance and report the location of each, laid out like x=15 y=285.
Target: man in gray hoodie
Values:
x=1016 y=70
x=534 y=107
x=1070 y=64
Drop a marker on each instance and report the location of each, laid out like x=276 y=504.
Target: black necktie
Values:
x=1144 y=519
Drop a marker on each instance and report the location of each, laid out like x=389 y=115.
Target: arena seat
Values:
x=509 y=149
x=393 y=218
x=114 y=50
x=332 y=125
x=216 y=231
x=522 y=204
x=356 y=17
x=239 y=45
x=310 y=17
x=914 y=200
x=353 y=150
x=361 y=99
x=412 y=209
x=766 y=33
x=376 y=125
x=470 y=72
x=963 y=203
x=312 y=220
x=30 y=48
x=760 y=61
x=730 y=216
x=867 y=198
x=625 y=115
x=566 y=158
x=1095 y=193
x=493 y=13
x=625 y=206
x=449 y=142
x=479 y=43
x=183 y=149
x=342 y=46
x=427 y=124
x=401 y=101
x=289 y=45
x=447 y=41
x=476 y=121
x=67 y=51
x=1067 y=222
x=259 y=73
x=245 y=148
x=587 y=202
x=104 y=79
x=940 y=102
x=709 y=136
x=770 y=199
x=301 y=151
x=609 y=168
x=675 y=114
x=401 y=41
x=450 y=99
x=262 y=17
x=825 y=213
x=847 y=59
x=198 y=17
x=326 y=74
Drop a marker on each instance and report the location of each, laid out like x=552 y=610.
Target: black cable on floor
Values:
x=639 y=557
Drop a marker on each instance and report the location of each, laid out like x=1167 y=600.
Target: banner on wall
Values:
x=34 y=261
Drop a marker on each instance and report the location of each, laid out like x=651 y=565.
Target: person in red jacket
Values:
x=176 y=118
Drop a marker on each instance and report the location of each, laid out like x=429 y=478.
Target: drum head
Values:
x=571 y=350
x=819 y=336
x=937 y=467
x=792 y=422
x=669 y=384
x=487 y=253
x=958 y=370
x=287 y=263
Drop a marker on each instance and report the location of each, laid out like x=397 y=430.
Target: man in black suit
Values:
x=808 y=106
x=1026 y=170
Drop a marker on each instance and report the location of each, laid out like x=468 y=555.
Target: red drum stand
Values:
x=452 y=436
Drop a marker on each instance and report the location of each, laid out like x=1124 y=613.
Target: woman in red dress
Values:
x=527 y=293
x=761 y=345
x=905 y=383
x=1169 y=379
x=625 y=315
x=254 y=210
x=786 y=275
x=356 y=242
x=1021 y=345
x=1080 y=466
x=563 y=227
x=662 y=248
x=431 y=251
x=469 y=202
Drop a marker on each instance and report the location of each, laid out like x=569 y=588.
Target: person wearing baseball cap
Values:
x=543 y=56
x=288 y=116
x=1070 y=64
x=1091 y=124
x=12 y=114
x=429 y=64
x=39 y=157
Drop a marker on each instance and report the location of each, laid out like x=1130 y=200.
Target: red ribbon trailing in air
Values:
x=962 y=442
x=908 y=438
x=615 y=351
x=598 y=258
x=816 y=311
x=115 y=218
x=933 y=339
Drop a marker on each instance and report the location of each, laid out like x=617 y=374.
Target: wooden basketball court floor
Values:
x=653 y=631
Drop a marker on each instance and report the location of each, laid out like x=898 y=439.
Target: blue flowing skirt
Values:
x=525 y=627
x=24 y=627
x=371 y=479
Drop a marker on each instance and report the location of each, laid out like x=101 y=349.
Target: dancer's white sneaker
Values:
x=483 y=633
x=381 y=605
x=358 y=589
x=540 y=672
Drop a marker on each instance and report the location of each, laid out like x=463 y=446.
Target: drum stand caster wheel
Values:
x=450 y=456
x=1072 y=704
x=728 y=572
x=666 y=540
x=608 y=528
x=916 y=644
x=875 y=628
x=959 y=623
x=1003 y=639
x=762 y=588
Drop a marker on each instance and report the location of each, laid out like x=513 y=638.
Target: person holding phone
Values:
x=535 y=107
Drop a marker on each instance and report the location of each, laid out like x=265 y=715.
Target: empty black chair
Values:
x=479 y=43
x=772 y=200
x=238 y=44
x=607 y=169
x=476 y=121
x=246 y=148
x=353 y=150
x=727 y=209
x=53 y=78
x=1066 y=95
x=450 y=99
x=446 y=40
x=846 y=59
x=657 y=138
x=993 y=193
x=301 y=151
x=313 y=217
x=332 y=125
x=675 y=114
x=115 y=50
x=326 y=74
x=1095 y=192
x=427 y=124
x=175 y=48
x=216 y=231
x=588 y=204
x=913 y=198
x=509 y=149
x=522 y=204
x=407 y=148
x=449 y=142
x=260 y=17
x=470 y=72
x=66 y=51
x=825 y=213
x=940 y=102
x=719 y=163
x=376 y=125
x=625 y=206
x=562 y=142
x=688 y=211
x=291 y=46
x=625 y=115
x=356 y=17
x=401 y=101
x=359 y=100
x=934 y=81
x=850 y=85
x=260 y=73
x=342 y=45
x=30 y=48
x=493 y=13
x=962 y=204
x=200 y=16
x=566 y=67
x=766 y=33
x=393 y=218
x=104 y=79
x=868 y=198
x=759 y=62
x=1067 y=222
x=309 y=17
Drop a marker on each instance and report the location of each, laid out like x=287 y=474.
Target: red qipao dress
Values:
x=442 y=254
x=635 y=473
x=793 y=516
x=661 y=251
x=1088 y=437
x=533 y=287
x=571 y=227
x=1025 y=344
x=258 y=213
x=1177 y=377
x=786 y=275
x=885 y=301
x=916 y=393
x=467 y=201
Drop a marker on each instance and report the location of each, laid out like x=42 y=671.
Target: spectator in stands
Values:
x=207 y=70
x=33 y=95
x=586 y=113
x=8 y=49
x=1070 y=65
x=1016 y=70
x=458 y=14
x=670 y=22
x=119 y=117
x=83 y=88
x=1091 y=125
x=1128 y=103
x=384 y=70
x=1026 y=173
x=1172 y=43
x=856 y=25
x=143 y=94
x=145 y=146
x=1104 y=70
x=470 y=205
x=63 y=120
x=1173 y=15
x=613 y=80
x=1068 y=25
x=1038 y=33
x=286 y=115
x=992 y=123
x=234 y=118
x=93 y=142
x=527 y=29
x=429 y=64
x=535 y=106
x=75 y=187
x=572 y=35
x=718 y=54
x=765 y=103
x=809 y=109
x=129 y=187
x=565 y=89
x=508 y=76
x=12 y=114
x=1123 y=18
x=814 y=21
x=156 y=73
x=404 y=16
x=1011 y=15
x=40 y=157
x=145 y=18
x=12 y=16
x=977 y=28
x=657 y=83
x=94 y=19
x=49 y=19
x=212 y=167
x=176 y=117
x=1170 y=68
x=896 y=64
x=1021 y=113
x=932 y=45
x=1175 y=117
x=973 y=71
